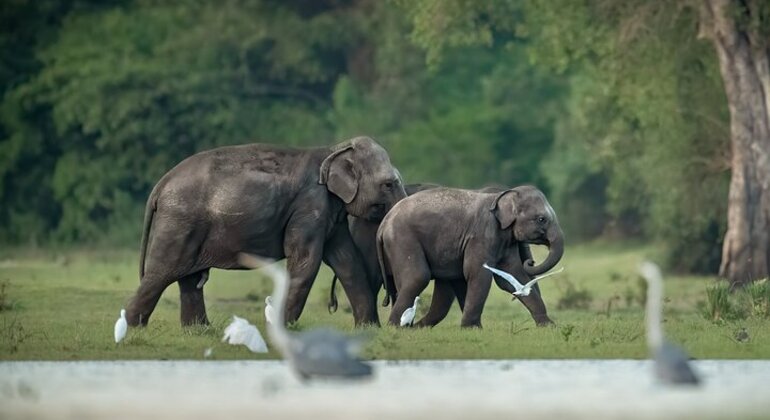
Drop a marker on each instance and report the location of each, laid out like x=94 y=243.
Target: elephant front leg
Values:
x=536 y=307
x=193 y=307
x=479 y=284
x=533 y=302
x=303 y=259
x=344 y=258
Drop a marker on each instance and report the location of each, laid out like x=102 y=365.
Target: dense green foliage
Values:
x=642 y=144
x=614 y=108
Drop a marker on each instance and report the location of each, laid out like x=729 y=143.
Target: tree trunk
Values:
x=744 y=60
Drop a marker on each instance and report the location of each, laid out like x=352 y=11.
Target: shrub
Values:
x=574 y=298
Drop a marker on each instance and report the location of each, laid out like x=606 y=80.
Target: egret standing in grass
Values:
x=521 y=289
x=319 y=353
x=407 y=318
x=121 y=326
x=671 y=362
x=269 y=310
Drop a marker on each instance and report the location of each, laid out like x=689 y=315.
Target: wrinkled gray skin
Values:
x=364 y=235
x=447 y=234
x=266 y=200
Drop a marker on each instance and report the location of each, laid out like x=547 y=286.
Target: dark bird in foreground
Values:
x=671 y=362
x=319 y=353
x=742 y=336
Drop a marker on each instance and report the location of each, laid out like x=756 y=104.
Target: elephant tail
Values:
x=149 y=212
x=332 y=305
x=390 y=294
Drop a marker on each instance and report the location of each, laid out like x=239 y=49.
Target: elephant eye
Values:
x=388 y=185
x=541 y=219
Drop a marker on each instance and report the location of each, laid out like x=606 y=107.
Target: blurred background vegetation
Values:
x=615 y=109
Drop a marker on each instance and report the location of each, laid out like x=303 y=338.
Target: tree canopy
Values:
x=615 y=109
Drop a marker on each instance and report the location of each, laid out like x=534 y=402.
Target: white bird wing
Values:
x=538 y=278
x=241 y=331
x=233 y=332
x=408 y=316
x=507 y=276
x=253 y=340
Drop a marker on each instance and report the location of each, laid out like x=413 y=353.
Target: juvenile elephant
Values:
x=266 y=200
x=364 y=233
x=447 y=234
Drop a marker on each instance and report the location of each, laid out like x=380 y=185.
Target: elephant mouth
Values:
x=376 y=212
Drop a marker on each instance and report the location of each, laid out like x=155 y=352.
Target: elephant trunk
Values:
x=555 y=251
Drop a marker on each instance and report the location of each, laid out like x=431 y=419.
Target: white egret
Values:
x=241 y=331
x=521 y=289
x=321 y=353
x=269 y=310
x=407 y=318
x=671 y=362
x=121 y=326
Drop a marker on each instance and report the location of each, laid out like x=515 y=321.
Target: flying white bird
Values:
x=407 y=318
x=324 y=353
x=671 y=362
x=269 y=310
x=521 y=289
x=121 y=326
x=241 y=332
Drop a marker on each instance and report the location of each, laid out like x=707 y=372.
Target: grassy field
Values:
x=62 y=306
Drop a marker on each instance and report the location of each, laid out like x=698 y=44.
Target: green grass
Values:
x=62 y=306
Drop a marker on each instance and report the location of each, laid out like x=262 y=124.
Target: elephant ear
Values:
x=505 y=210
x=338 y=175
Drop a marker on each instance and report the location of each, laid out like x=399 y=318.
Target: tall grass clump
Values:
x=755 y=299
x=723 y=305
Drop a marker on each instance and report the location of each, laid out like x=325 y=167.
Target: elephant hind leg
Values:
x=411 y=281
x=443 y=296
x=460 y=288
x=146 y=298
x=193 y=307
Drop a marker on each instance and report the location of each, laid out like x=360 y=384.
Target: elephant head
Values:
x=526 y=211
x=359 y=172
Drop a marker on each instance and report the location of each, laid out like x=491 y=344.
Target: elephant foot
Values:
x=542 y=320
x=191 y=321
x=136 y=319
x=193 y=312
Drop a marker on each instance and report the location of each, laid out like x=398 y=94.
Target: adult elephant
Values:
x=267 y=200
x=448 y=234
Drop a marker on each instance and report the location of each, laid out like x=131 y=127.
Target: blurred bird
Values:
x=521 y=290
x=319 y=353
x=742 y=335
x=241 y=331
x=671 y=362
x=121 y=326
x=407 y=318
x=269 y=310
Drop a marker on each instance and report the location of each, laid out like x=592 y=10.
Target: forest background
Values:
x=616 y=109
